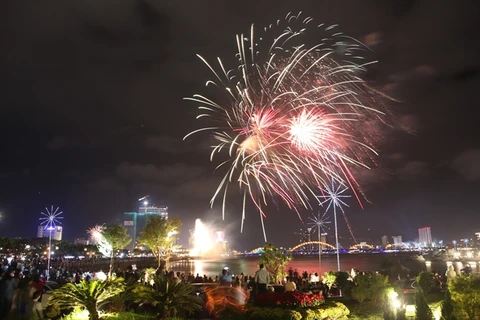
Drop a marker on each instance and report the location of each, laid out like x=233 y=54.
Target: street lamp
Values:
x=333 y=196
x=319 y=222
x=49 y=222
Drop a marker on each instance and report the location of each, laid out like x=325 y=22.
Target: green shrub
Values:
x=330 y=310
x=257 y=313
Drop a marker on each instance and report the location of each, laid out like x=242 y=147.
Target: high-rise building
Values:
x=135 y=221
x=397 y=241
x=384 y=241
x=42 y=232
x=425 y=236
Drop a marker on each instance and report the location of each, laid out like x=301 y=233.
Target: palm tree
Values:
x=169 y=296
x=91 y=295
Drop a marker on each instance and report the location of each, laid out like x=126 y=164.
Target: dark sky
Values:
x=92 y=116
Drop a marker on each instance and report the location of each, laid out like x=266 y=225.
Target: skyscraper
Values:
x=425 y=236
x=45 y=233
x=384 y=241
x=135 y=221
x=397 y=241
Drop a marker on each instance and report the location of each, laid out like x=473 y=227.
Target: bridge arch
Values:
x=256 y=251
x=324 y=244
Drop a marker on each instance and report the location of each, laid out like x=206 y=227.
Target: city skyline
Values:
x=93 y=117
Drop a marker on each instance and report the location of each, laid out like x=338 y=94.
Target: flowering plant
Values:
x=289 y=299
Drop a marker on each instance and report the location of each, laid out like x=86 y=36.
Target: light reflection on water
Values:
x=362 y=262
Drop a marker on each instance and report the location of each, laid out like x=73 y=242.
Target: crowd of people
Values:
x=22 y=284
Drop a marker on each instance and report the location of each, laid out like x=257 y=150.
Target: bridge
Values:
x=361 y=246
x=314 y=244
x=310 y=244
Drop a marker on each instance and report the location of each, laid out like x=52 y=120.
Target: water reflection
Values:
x=363 y=262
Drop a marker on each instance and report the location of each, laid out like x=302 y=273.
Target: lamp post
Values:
x=319 y=222
x=332 y=196
x=51 y=218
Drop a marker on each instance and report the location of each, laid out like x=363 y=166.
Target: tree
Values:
x=110 y=238
x=168 y=296
x=275 y=260
x=465 y=293
x=422 y=310
x=447 y=307
x=159 y=235
x=426 y=281
x=91 y=295
x=370 y=286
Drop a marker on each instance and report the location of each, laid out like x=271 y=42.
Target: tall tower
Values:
x=425 y=236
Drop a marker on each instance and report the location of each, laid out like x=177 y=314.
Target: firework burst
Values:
x=295 y=116
x=103 y=245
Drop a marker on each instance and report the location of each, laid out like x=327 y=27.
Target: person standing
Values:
x=289 y=285
x=451 y=274
x=34 y=309
x=226 y=278
x=7 y=290
x=262 y=279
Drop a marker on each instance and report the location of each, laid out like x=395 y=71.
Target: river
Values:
x=310 y=263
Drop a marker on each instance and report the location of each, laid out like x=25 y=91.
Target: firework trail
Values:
x=294 y=116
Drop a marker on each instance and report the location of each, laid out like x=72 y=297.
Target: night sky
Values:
x=92 y=114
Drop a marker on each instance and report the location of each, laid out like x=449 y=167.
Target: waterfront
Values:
x=363 y=262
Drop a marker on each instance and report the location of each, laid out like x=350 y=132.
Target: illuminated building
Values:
x=397 y=241
x=384 y=241
x=425 y=236
x=44 y=233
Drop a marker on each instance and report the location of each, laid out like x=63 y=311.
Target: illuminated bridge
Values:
x=361 y=246
x=309 y=245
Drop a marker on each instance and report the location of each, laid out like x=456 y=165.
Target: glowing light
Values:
x=201 y=240
x=100 y=275
x=295 y=116
x=223 y=297
x=51 y=218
